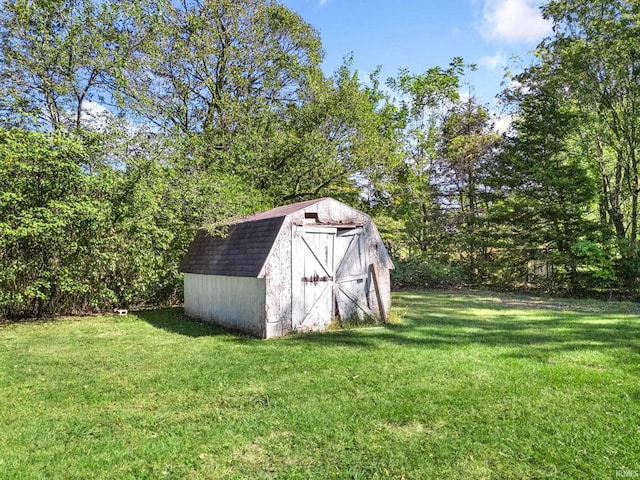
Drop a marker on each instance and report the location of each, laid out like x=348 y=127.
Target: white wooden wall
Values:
x=235 y=302
x=383 y=266
x=278 y=277
x=281 y=266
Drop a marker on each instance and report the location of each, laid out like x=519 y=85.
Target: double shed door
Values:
x=330 y=276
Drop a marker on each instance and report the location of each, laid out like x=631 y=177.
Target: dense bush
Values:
x=77 y=242
x=418 y=273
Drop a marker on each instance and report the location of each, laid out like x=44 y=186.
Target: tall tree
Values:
x=441 y=195
x=467 y=150
x=594 y=55
x=339 y=140
x=543 y=183
x=148 y=119
x=425 y=100
x=213 y=63
x=56 y=58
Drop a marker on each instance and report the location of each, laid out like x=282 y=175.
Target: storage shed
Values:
x=293 y=268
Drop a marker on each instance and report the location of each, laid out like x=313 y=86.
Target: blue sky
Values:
x=420 y=34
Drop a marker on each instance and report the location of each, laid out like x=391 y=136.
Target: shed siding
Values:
x=278 y=276
x=235 y=302
x=380 y=259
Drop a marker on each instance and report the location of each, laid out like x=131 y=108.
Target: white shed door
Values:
x=312 y=302
x=351 y=277
x=330 y=276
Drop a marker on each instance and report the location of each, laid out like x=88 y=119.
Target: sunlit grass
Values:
x=461 y=385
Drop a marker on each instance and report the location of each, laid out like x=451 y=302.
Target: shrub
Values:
x=423 y=273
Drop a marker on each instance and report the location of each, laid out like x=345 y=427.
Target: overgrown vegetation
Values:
x=125 y=127
x=468 y=385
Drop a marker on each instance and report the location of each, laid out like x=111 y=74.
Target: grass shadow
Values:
x=344 y=338
x=174 y=320
x=528 y=326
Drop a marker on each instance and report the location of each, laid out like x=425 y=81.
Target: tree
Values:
x=544 y=186
x=203 y=111
x=57 y=58
x=339 y=140
x=441 y=195
x=593 y=57
x=425 y=100
x=212 y=65
x=467 y=150
x=588 y=70
x=118 y=201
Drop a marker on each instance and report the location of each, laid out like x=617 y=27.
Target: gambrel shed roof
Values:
x=244 y=248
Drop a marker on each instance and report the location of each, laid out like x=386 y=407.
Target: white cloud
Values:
x=95 y=116
x=514 y=21
x=516 y=86
x=465 y=95
x=501 y=122
x=497 y=61
x=98 y=118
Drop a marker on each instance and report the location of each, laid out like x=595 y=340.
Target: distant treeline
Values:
x=127 y=126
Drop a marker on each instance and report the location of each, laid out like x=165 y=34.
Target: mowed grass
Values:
x=466 y=385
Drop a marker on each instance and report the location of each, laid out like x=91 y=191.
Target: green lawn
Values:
x=467 y=385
